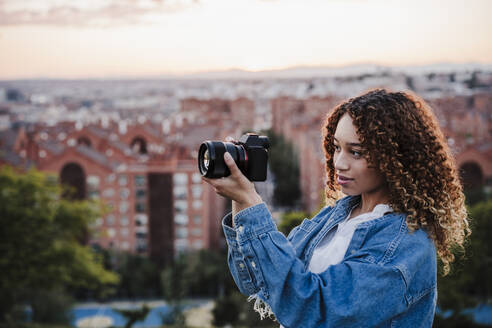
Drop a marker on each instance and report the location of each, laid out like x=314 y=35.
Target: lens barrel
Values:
x=211 y=158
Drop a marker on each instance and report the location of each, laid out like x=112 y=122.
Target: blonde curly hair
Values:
x=401 y=136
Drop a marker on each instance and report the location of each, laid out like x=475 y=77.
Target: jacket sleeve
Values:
x=353 y=293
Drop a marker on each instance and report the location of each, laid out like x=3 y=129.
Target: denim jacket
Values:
x=387 y=277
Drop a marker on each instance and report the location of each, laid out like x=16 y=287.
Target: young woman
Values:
x=369 y=259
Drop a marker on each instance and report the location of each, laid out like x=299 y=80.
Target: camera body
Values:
x=250 y=154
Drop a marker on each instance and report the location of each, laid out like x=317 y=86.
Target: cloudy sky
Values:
x=135 y=38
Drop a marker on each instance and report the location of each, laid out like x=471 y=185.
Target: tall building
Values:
x=148 y=180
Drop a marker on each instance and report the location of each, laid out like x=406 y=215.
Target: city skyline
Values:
x=140 y=38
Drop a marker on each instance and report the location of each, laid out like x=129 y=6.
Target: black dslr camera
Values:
x=250 y=154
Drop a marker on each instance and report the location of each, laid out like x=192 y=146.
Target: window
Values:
x=108 y=193
x=142 y=231
x=93 y=181
x=182 y=232
x=197 y=232
x=124 y=220
x=140 y=180
x=123 y=207
x=140 y=193
x=180 y=245
x=141 y=219
x=180 y=192
x=122 y=180
x=124 y=232
x=181 y=219
x=125 y=245
x=197 y=244
x=180 y=206
x=197 y=219
x=196 y=178
x=93 y=186
x=141 y=246
x=197 y=204
x=110 y=178
x=124 y=193
x=110 y=220
x=196 y=190
x=180 y=178
x=140 y=207
x=111 y=233
x=93 y=194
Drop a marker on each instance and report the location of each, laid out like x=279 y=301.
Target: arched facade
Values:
x=139 y=145
x=73 y=175
x=471 y=175
x=84 y=141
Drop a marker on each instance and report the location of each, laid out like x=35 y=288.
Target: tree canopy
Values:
x=41 y=239
x=284 y=164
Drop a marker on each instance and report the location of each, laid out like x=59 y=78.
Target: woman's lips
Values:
x=343 y=180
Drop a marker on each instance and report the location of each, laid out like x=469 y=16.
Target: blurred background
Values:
x=105 y=221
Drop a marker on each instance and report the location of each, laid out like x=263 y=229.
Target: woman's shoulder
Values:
x=389 y=237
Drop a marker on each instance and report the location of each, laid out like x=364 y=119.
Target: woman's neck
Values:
x=370 y=200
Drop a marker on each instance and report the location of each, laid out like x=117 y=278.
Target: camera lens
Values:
x=211 y=158
x=206 y=159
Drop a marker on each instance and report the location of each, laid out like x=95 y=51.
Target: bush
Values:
x=234 y=309
x=50 y=306
x=291 y=220
x=226 y=311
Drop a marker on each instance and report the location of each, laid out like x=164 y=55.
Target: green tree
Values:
x=470 y=281
x=139 y=276
x=291 y=220
x=40 y=240
x=284 y=164
x=206 y=273
x=175 y=286
x=235 y=310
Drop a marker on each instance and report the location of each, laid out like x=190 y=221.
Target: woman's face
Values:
x=352 y=171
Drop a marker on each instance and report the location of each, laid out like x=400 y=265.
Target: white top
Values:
x=332 y=248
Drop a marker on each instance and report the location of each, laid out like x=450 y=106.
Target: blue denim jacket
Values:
x=386 y=279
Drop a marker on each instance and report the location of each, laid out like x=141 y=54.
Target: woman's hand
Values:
x=236 y=187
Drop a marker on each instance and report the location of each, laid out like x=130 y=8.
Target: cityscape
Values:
x=107 y=222
x=133 y=144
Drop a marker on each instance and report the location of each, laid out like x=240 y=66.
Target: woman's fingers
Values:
x=235 y=172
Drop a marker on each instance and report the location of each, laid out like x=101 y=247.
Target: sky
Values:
x=150 y=38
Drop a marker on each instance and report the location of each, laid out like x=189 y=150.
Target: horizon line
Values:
x=202 y=74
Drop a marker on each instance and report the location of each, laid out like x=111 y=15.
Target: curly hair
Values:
x=400 y=135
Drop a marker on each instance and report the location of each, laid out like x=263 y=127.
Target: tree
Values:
x=235 y=310
x=40 y=240
x=175 y=286
x=139 y=276
x=284 y=164
x=291 y=220
x=470 y=281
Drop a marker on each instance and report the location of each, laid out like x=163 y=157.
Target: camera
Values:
x=250 y=154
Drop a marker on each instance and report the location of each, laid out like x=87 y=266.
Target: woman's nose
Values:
x=341 y=162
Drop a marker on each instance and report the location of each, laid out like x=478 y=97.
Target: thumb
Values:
x=231 y=164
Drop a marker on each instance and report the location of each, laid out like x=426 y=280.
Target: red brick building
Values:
x=149 y=180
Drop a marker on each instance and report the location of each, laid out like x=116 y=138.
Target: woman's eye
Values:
x=357 y=153
x=337 y=148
